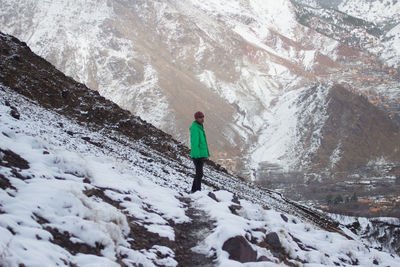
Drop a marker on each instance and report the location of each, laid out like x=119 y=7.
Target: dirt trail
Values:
x=188 y=235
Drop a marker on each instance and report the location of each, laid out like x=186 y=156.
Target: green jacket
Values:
x=198 y=141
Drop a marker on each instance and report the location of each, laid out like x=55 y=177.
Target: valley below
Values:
x=363 y=193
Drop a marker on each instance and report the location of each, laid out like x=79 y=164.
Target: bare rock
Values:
x=239 y=249
x=272 y=239
x=284 y=218
x=234 y=209
x=14 y=113
x=213 y=196
x=264 y=258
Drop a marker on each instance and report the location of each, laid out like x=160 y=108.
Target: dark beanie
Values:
x=198 y=114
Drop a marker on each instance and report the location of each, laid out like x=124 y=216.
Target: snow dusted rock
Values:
x=273 y=243
x=272 y=239
x=239 y=249
x=14 y=113
x=11 y=159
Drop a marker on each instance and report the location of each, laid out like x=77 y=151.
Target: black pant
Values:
x=198 y=163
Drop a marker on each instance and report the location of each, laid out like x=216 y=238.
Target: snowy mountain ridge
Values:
x=374 y=11
x=372 y=25
x=79 y=189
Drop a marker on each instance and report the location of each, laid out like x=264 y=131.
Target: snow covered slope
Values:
x=78 y=188
x=377 y=11
x=327 y=127
x=370 y=25
x=386 y=14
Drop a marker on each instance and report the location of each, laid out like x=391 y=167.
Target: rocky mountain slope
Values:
x=372 y=26
x=83 y=183
x=238 y=61
x=354 y=131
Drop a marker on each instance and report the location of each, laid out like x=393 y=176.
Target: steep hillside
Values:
x=235 y=60
x=386 y=15
x=329 y=128
x=378 y=11
x=371 y=26
x=83 y=183
x=355 y=133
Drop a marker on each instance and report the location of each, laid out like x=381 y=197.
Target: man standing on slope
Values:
x=198 y=148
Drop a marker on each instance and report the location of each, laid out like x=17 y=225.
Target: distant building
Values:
x=365 y=201
x=374 y=209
